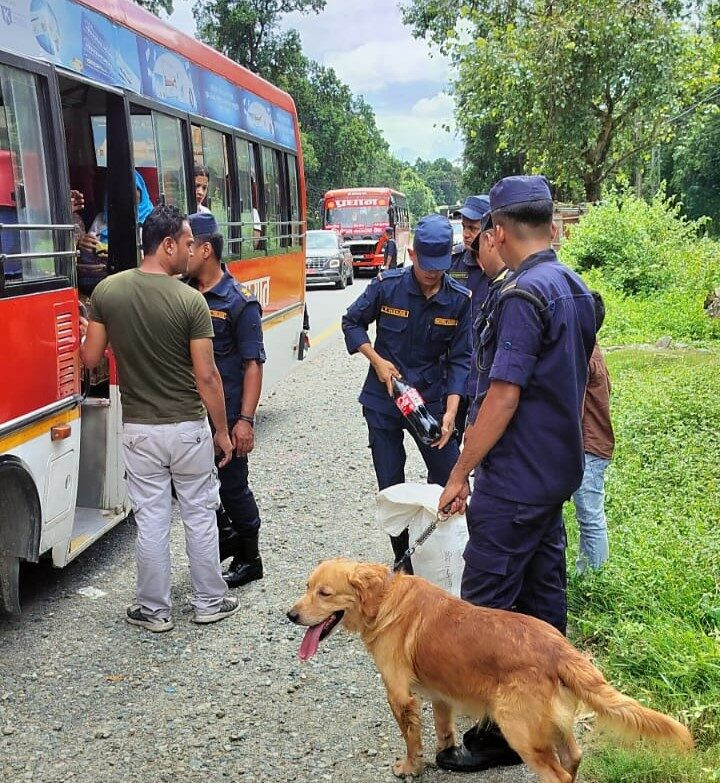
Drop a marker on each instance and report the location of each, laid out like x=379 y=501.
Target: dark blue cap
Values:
x=475 y=207
x=433 y=243
x=519 y=190
x=203 y=223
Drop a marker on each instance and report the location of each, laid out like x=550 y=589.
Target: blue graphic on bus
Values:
x=97 y=48
x=45 y=27
x=168 y=76
x=220 y=99
x=84 y=41
x=284 y=127
x=257 y=116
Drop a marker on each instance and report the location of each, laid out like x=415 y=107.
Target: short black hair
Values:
x=599 y=309
x=164 y=221
x=202 y=171
x=529 y=213
x=216 y=242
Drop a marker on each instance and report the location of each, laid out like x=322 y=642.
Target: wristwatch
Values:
x=249 y=419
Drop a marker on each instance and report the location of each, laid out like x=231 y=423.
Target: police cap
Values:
x=519 y=190
x=475 y=207
x=203 y=224
x=433 y=243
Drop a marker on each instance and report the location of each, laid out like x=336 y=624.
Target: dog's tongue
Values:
x=311 y=641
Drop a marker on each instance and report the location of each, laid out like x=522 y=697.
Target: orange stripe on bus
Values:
x=38 y=428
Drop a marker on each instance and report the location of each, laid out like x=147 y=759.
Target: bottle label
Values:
x=409 y=402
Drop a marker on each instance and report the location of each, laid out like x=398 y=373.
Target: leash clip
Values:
x=441 y=515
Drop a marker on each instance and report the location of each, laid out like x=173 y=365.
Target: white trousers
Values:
x=156 y=455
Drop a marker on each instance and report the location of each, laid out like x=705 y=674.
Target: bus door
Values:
x=40 y=388
x=96 y=125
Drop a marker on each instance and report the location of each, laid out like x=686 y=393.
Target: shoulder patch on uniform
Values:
x=457 y=286
x=390 y=273
x=446 y=321
x=219 y=314
x=399 y=312
x=246 y=291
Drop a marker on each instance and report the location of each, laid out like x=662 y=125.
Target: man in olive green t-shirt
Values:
x=161 y=335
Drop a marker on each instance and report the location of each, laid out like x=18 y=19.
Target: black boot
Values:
x=229 y=538
x=246 y=565
x=483 y=747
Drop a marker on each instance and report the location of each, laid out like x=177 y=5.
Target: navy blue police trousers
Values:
x=237 y=497
x=386 y=436
x=515 y=558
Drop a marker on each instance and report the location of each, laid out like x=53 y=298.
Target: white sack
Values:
x=440 y=558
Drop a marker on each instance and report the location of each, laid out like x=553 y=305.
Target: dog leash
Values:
x=421 y=539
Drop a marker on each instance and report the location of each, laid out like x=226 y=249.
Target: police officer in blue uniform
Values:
x=239 y=356
x=526 y=440
x=423 y=335
x=465 y=269
x=390 y=249
x=493 y=267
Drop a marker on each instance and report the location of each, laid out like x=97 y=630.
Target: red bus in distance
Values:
x=361 y=216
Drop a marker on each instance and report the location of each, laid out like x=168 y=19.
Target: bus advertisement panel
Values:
x=106 y=112
x=361 y=216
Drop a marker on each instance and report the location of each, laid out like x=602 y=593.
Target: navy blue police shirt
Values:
x=428 y=340
x=543 y=346
x=236 y=318
x=465 y=270
x=481 y=318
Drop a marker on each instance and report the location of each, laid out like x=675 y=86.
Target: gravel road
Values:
x=86 y=697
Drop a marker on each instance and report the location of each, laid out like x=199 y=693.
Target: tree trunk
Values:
x=592 y=183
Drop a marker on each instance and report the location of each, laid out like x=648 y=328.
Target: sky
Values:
x=372 y=51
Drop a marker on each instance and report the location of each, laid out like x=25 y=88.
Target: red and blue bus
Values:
x=93 y=95
x=361 y=215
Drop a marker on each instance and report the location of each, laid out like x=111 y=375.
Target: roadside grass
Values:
x=651 y=617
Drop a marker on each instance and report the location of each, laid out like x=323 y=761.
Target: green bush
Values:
x=654 y=267
x=651 y=616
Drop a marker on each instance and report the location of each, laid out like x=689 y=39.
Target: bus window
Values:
x=271 y=188
x=295 y=227
x=170 y=160
x=249 y=214
x=144 y=155
x=24 y=196
x=211 y=160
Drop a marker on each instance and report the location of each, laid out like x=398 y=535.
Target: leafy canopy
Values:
x=578 y=89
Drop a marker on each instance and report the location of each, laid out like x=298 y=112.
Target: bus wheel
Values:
x=20 y=520
x=10 y=583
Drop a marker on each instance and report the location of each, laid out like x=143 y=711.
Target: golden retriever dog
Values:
x=484 y=663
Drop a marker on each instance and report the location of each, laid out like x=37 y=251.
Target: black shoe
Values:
x=241 y=573
x=495 y=753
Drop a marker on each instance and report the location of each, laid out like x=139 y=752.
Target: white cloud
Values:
x=440 y=107
x=374 y=65
x=372 y=51
x=418 y=132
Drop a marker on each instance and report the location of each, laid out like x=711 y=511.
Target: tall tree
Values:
x=578 y=89
x=155 y=6
x=442 y=177
x=342 y=145
x=247 y=31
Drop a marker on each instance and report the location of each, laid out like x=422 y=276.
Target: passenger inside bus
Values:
x=93 y=244
x=202 y=183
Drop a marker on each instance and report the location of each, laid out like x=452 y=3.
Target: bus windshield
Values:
x=356 y=216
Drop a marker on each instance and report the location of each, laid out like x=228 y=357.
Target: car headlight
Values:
x=334 y=263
